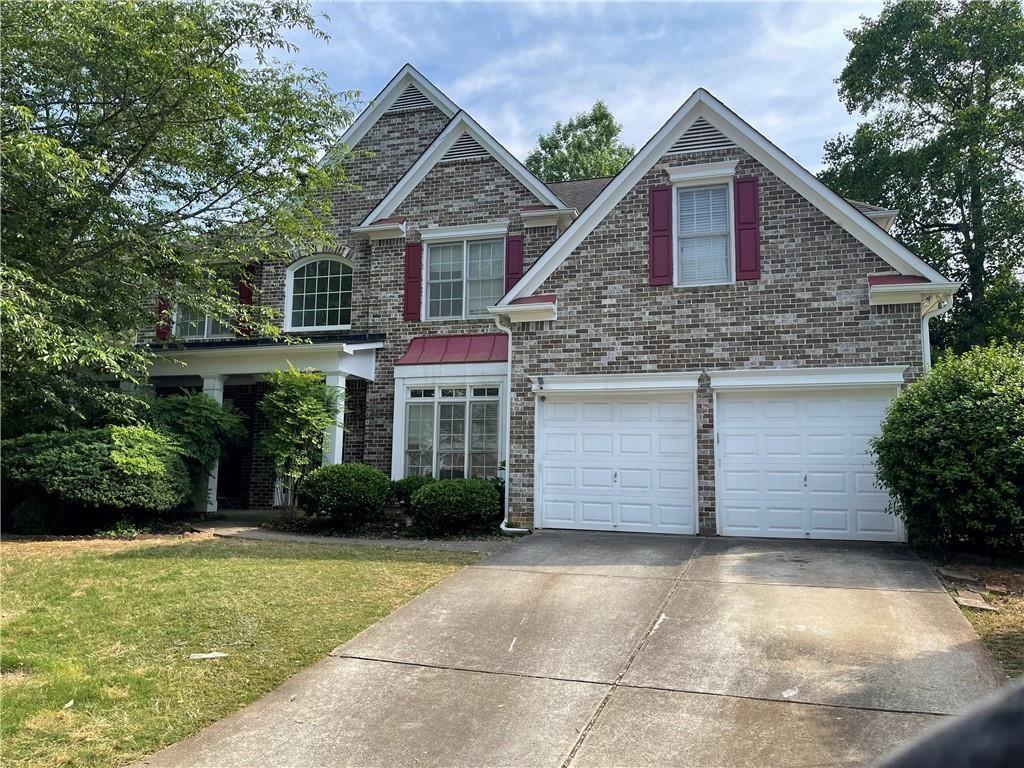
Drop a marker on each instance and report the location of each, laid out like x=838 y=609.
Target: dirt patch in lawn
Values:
x=1002 y=588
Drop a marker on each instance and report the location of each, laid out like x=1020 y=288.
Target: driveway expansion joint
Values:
x=912 y=590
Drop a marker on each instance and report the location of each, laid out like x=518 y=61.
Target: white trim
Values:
x=908 y=293
x=548 y=217
x=885 y=219
x=446 y=371
x=703 y=104
x=388 y=231
x=289 y=289
x=730 y=197
x=403 y=385
x=794 y=378
x=538 y=312
x=599 y=383
x=383 y=101
x=702 y=174
x=460 y=124
x=492 y=229
x=357 y=360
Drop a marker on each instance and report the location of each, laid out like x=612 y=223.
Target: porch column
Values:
x=336 y=433
x=206 y=498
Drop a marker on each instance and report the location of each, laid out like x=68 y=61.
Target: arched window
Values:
x=319 y=294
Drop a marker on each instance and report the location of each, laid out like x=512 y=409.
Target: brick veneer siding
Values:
x=257 y=470
x=809 y=309
x=354 y=447
x=472 y=191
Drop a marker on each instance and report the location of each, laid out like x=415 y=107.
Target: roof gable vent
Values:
x=701 y=137
x=411 y=98
x=464 y=148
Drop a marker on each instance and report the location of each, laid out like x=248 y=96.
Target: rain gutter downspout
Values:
x=941 y=307
x=505 y=527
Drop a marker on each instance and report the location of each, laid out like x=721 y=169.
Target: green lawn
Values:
x=110 y=625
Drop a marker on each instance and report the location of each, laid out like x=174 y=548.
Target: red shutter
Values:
x=513 y=261
x=659 y=206
x=748 y=234
x=163 y=323
x=245 y=299
x=413 y=281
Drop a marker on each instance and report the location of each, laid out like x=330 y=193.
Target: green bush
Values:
x=402 y=490
x=350 y=494
x=203 y=428
x=951 y=452
x=96 y=472
x=456 y=506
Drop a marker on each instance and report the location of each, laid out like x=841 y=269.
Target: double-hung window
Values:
x=452 y=431
x=703 y=235
x=191 y=324
x=464 y=278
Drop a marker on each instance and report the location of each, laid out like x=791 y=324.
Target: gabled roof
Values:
x=703 y=106
x=408 y=89
x=456 y=133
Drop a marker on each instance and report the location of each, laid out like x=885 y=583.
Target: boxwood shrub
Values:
x=88 y=475
x=456 y=506
x=349 y=494
x=951 y=452
x=403 y=490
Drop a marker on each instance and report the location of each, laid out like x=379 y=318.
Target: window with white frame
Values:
x=320 y=294
x=192 y=324
x=452 y=431
x=464 y=278
x=703 y=235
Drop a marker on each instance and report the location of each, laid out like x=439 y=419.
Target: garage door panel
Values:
x=618 y=465
x=808 y=475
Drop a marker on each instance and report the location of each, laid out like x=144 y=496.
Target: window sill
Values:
x=704 y=285
x=307 y=328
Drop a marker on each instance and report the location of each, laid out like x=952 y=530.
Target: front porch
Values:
x=233 y=371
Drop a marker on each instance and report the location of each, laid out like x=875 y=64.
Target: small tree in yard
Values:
x=951 y=453
x=299 y=408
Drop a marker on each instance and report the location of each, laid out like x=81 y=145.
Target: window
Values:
x=320 y=295
x=703 y=235
x=452 y=431
x=191 y=324
x=464 y=278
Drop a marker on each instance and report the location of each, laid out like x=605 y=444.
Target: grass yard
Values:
x=97 y=634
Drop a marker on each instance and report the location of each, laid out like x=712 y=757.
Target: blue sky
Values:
x=518 y=67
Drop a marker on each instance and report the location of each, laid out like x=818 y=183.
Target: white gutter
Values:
x=505 y=527
x=942 y=306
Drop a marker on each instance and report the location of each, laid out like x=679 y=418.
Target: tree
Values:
x=299 y=408
x=586 y=147
x=148 y=149
x=941 y=84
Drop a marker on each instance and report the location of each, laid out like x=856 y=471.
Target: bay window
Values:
x=464 y=278
x=452 y=431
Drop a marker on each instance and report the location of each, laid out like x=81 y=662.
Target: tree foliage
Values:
x=586 y=147
x=299 y=408
x=951 y=452
x=941 y=87
x=202 y=427
x=152 y=148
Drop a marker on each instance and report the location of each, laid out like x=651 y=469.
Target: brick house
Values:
x=702 y=343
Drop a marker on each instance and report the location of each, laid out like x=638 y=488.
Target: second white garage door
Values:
x=796 y=464
x=620 y=464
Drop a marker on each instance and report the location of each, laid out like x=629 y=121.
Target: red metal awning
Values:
x=440 y=350
x=896 y=279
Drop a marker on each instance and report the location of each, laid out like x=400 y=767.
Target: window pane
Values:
x=704 y=259
x=325 y=284
x=703 y=211
x=189 y=324
x=444 y=280
x=703 y=235
x=483 y=440
x=485 y=261
x=219 y=329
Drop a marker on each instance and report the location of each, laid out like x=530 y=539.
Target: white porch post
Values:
x=336 y=433
x=206 y=501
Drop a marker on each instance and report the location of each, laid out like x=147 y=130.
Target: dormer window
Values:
x=319 y=294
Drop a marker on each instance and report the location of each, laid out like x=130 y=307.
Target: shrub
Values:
x=456 y=506
x=403 y=490
x=203 y=428
x=951 y=452
x=97 y=471
x=350 y=494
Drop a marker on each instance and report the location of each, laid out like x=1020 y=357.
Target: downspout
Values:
x=505 y=527
x=941 y=307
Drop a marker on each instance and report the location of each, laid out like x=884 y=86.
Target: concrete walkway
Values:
x=584 y=649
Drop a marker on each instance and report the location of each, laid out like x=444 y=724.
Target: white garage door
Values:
x=616 y=465
x=795 y=464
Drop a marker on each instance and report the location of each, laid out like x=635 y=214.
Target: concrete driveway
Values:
x=580 y=649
